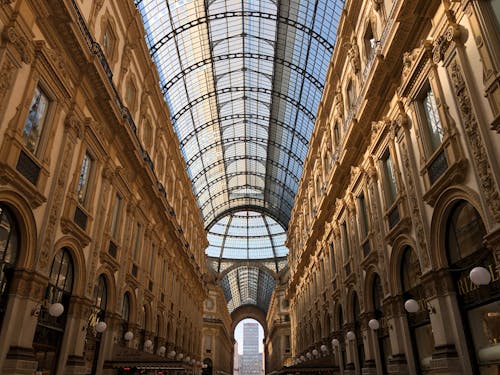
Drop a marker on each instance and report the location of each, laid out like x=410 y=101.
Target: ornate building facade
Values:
x=399 y=199
x=101 y=240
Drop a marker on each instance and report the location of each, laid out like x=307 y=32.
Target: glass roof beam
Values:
x=233 y=89
x=154 y=48
x=281 y=216
x=243 y=139
x=246 y=56
x=241 y=116
x=244 y=157
x=250 y=173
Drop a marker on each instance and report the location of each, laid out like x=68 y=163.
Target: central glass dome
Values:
x=247 y=235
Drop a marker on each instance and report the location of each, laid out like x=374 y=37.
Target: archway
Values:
x=249 y=350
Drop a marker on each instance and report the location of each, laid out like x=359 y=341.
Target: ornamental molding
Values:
x=20 y=42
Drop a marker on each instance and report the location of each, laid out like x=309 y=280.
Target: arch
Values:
x=133 y=315
x=352 y=297
x=327 y=329
x=338 y=317
x=23 y=213
x=148 y=317
x=72 y=245
x=371 y=273
x=394 y=274
x=248 y=311
x=256 y=264
x=108 y=275
x=442 y=210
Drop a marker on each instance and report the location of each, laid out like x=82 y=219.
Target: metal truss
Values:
x=240 y=14
x=243 y=116
x=264 y=176
x=231 y=90
x=241 y=55
x=231 y=140
x=229 y=160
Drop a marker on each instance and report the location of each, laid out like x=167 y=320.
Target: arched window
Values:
x=479 y=305
x=142 y=328
x=419 y=322
x=360 y=350
x=465 y=232
x=9 y=248
x=125 y=318
x=50 y=330
x=384 y=341
x=97 y=315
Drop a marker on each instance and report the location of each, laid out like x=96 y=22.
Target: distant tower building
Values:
x=251 y=359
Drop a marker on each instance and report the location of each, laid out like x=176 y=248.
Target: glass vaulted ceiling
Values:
x=243 y=80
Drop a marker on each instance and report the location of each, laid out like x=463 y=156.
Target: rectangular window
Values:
x=116 y=216
x=35 y=121
x=83 y=180
x=389 y=179
x=433 y=128
x=137 y=241
x=363 y=215
x=345 y=238
x=350 y=94
x=332 y=259
x=152 y=261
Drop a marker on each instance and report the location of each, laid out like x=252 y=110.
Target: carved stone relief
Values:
x=473 y=137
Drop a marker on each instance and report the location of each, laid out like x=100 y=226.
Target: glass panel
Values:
x=35 y=121
x=434 y=128
x=83 y=180
x=390 y=179
x=484 y=324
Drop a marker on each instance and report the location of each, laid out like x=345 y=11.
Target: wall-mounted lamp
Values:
x=323 y=348
x=180 y=356
x=315 y=352
x=172 y=354
x=302 y=358
x=335 y=342
x=373 y=324
x=101 y=327
x=351 y=336
x=309 y=355
x=128 y=336
x=54 y=309
x=412 y=306
x=480 y=276
x=162 y=350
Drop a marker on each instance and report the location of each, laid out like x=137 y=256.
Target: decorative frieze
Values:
x=473 y=137
x=21 y=44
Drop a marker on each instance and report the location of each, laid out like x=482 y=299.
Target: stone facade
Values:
x=90 y=171
x=399 y=195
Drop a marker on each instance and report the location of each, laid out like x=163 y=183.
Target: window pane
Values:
x=84 y=178
x=116 y=213
x=434 y=129
x=35 y=120
x=390 y=179
x=363 y=215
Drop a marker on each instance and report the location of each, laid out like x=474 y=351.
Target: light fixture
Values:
x=148 y=343
x=188 y=359
x=128 y=336
x=335 y=342
x=54 y=309
x=180 y=356
x=193 y=361
x=101 y=327
x=172 y=354
x=309 y=355
x=413 y=306
x=374 y=324
x=480 y=276
x=323 y=348
x=162 y=350
x=350 y=336
x=315 y=352
x=302 y=358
